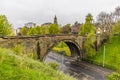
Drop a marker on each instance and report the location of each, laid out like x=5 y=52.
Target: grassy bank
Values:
x=112 y=54
x=15 y=67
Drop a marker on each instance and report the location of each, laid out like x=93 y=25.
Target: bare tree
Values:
x=117 y=13
x=105 y=20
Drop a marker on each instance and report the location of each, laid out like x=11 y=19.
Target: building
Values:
x=46 y=24
x=99 y=31
x=49 y=23
x=30 y=24
x=55 y=20
x=75 y=28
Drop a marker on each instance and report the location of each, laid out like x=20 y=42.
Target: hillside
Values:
x=15 y=67
x=112 y=54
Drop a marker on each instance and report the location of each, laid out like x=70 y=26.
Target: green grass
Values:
x=112 y=54
x=66 y=49
x=15 y=67
x=114 y=76
x=62 y=47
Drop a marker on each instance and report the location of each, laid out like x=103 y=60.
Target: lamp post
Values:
x=104 y=52
x=62 y=52
x=104 y=55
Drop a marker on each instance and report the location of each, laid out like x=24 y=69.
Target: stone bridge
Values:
x=44 y=43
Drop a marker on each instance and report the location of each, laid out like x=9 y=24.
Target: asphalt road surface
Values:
x=80 y=70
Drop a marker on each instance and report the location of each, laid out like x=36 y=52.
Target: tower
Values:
x=55 y=20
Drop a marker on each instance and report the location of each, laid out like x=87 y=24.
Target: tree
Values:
x=31 y=31
x=5 y=26
x=89 y=30
x=101 y=18
x=54 y=29
x=89 y=45
x=88 y=26
x=106 y=21
x=116 y=28
x=117 y=14
x=34 y=30
x=24 y=30
x=41 y=30
x=44 y=30
x=66 y=29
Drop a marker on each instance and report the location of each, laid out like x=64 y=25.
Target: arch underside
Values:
x=75 y=50
x=73 y=46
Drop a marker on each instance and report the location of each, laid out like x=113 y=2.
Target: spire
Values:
x=55 y=20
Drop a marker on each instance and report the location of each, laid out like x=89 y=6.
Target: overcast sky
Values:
x=20 y=12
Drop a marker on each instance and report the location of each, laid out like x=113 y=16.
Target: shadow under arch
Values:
x=75 y=49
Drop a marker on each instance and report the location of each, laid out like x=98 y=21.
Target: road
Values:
x=80 y=70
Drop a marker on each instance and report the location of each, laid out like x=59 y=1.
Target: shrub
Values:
x=17 y=49
x=53 y=65
x=114 y=76
x=62 y=47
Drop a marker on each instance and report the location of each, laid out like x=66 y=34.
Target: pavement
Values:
x=80 y=70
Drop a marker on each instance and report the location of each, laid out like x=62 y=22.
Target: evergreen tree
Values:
x=89 y=30
x=88 y=26
x=5 y=26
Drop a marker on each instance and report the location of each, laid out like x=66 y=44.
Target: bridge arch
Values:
x=75 y=49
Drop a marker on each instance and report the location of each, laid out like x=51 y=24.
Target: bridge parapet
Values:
x=44 y=43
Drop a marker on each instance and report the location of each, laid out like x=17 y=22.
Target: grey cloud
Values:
x=40 y=11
